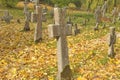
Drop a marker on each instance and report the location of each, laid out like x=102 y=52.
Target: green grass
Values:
x=103 y=61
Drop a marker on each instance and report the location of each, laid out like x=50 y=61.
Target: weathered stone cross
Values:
x=37 y=2
x=104 y=8
x=76 y=30
x=69 y=21
x=38 y=28
x=27 y=16
x=44 y=13
x=114 y=14
x=25 y=6
x=7 y=17
x=98 y=16
x=111 y=42
x=34 y=14
x=60 y=30
x=26 y=26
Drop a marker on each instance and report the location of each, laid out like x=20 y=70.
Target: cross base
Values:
x=66 y=74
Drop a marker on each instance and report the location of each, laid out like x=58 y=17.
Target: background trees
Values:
x=8 y=3
x=81 y=4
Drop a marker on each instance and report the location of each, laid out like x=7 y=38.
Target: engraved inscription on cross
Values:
x=60 y=30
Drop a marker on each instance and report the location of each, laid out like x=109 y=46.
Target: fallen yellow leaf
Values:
x=81 y=78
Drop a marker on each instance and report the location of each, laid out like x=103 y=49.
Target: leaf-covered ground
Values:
x=22 y=59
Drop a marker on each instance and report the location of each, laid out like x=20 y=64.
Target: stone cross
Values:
x=29 y=16
x=76 y=30
x=26 y=26
x=44 y=19
x=111 y=42
x=97 y=17
x=7 y=17
x=38 y=28
x=44 y=11
x=84 y=22
x=52 y=13
x=114 y=14
x=33 y=14
x=69 y=21
x=60 y=30
x=26 y=9
x=104 y=8
x=37 y=2
x=25 y=6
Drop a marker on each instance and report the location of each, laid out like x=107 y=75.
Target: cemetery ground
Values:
x=22 y=59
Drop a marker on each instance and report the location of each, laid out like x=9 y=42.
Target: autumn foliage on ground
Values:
x=22 y=59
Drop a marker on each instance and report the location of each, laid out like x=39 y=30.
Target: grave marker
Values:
x=58 y=31
x=114 y=14
x=44 y=11
x=44 y=19
x=26 y=27
x=25 y=6
x=26 y=9
x=29 y=16
x=111 y=42
x=38 y=28
x=97 y=17
x=37 y=2
x=52 y=13
x=76 y=30
x=7 y=17
x=69 y=21
x=34 y=14
x=104 y=8
x=84 y=22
